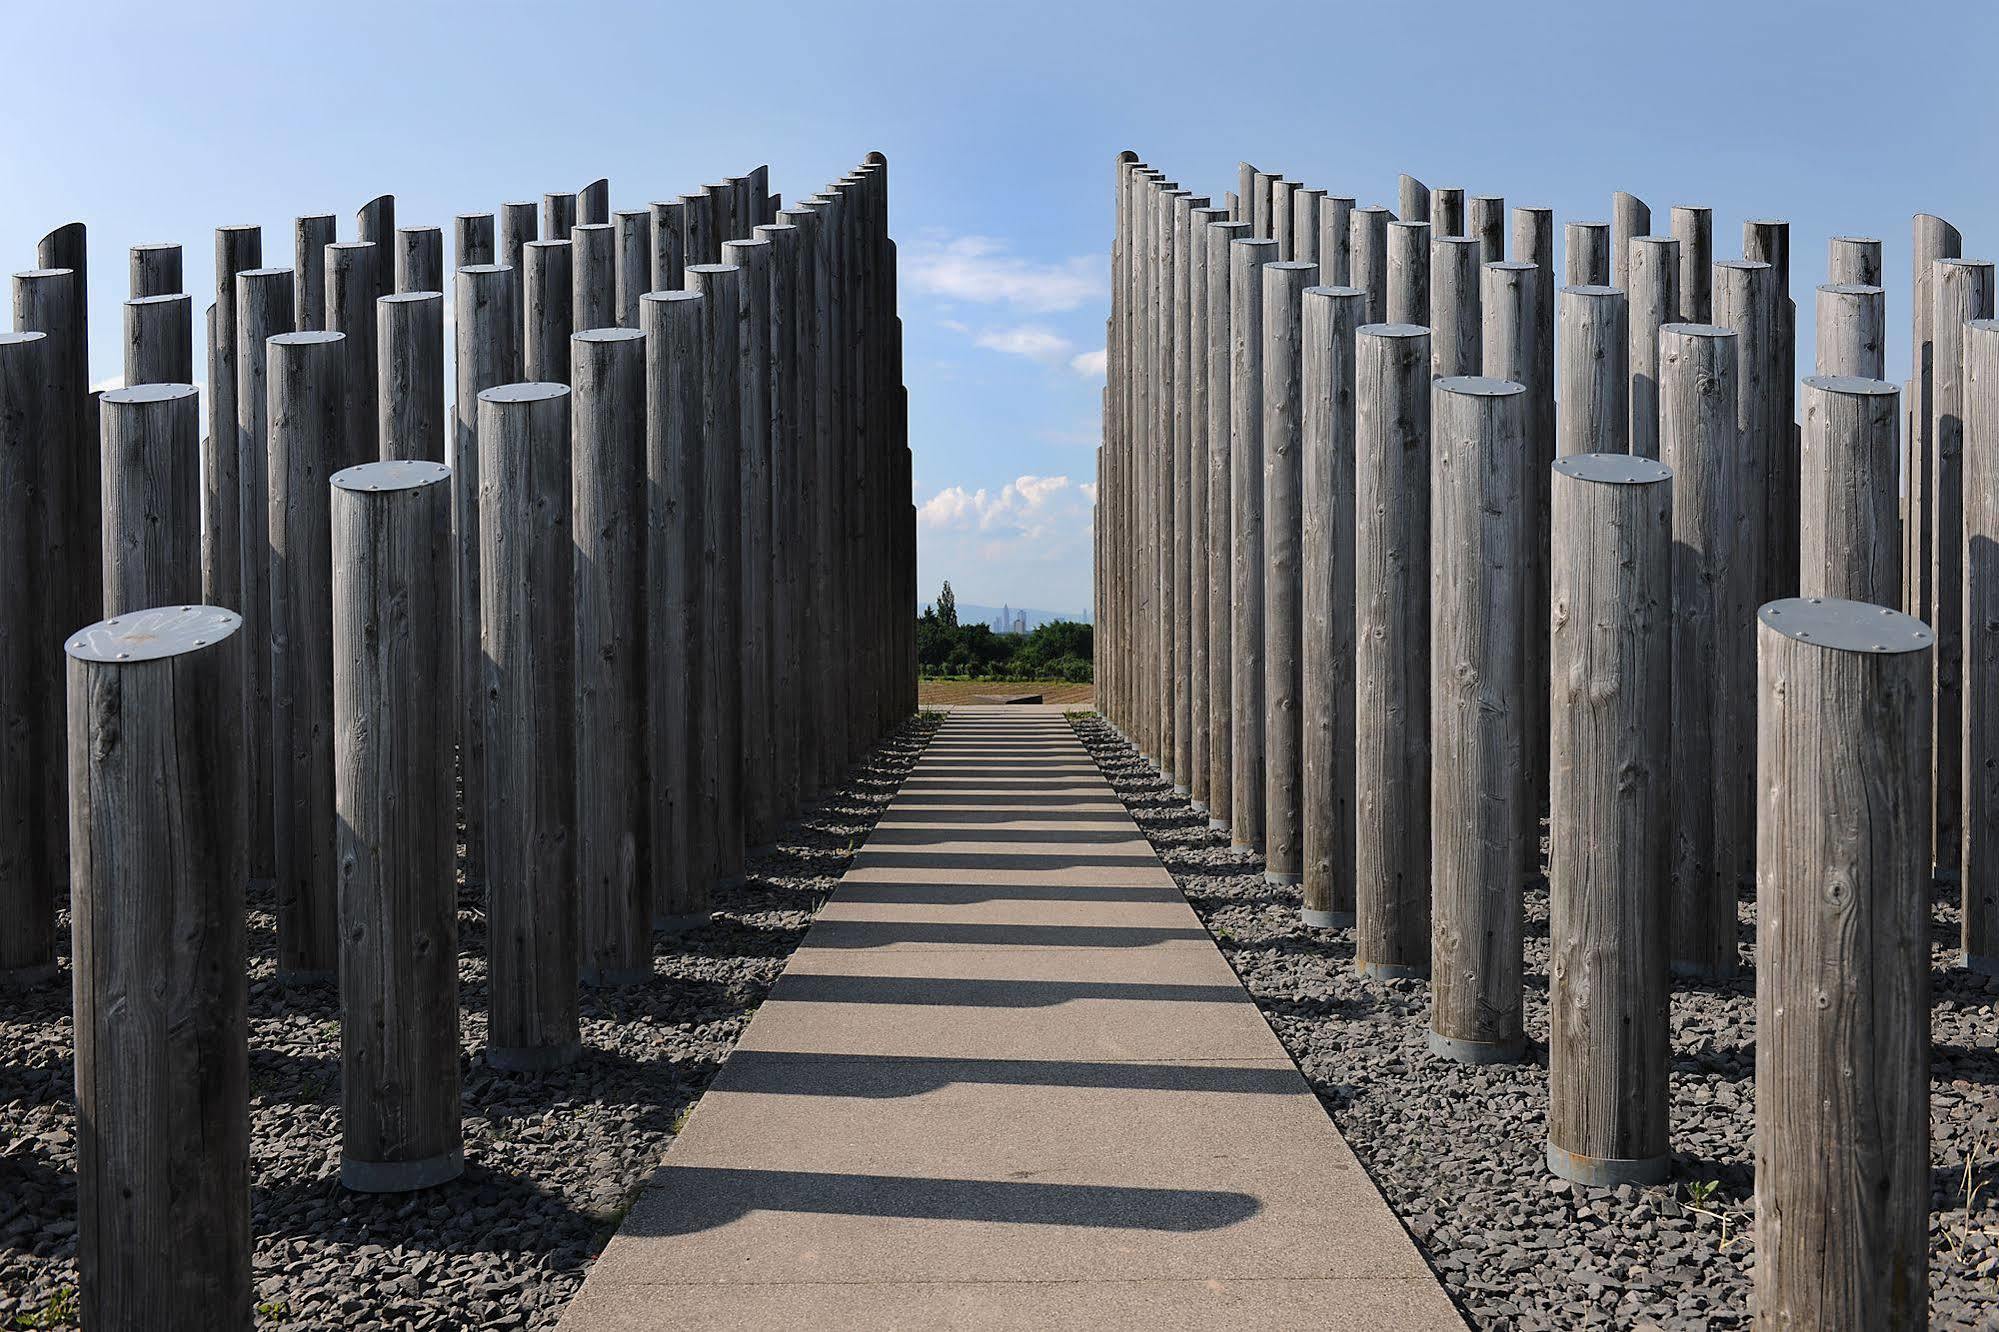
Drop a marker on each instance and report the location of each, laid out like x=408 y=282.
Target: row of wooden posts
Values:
x=644 y=589
x=1401 y=546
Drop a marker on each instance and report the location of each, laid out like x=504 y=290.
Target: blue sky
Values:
x=1001 y=125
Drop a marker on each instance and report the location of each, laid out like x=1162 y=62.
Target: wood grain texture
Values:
x=1653 y=301
x=375 y=224
x=311 y=235
x=1853 y=259
x=1693 y=228
x=788 y=406
x=237 y=250
x=547 y=312
x=1979 y=931
x=1219 y=368
x=1454 y=306
x=1305 y=206
x=1769 y=242
x=1485 y=222
x=527 y=618
x=520 y=223
x=350 y=310
x=1200 y=545
x=1586 y=254
x=1842 y=994
x=1851 y=335
x=154 y=269
x=1283 y=436
x=1715 y=552
x=1477 y=452
x=1409 y=273
x=593 y=273
x=1412 y=199
x=1180 y=576
x=474 y=240
x=721 y=578
x=1848 y=533
x=1447 y=213
x=753 y=676
x=162 y=1031
x=1392 y=650
x=390 y=524
x=31 y=686
x=558 y=216
x=263 y=311
x=1630 y=218
x=1246 y=642
x=419 y=259
x=669 y=239
x=1336 y=240
x=1368 y=256
x=409 y=390
x=593 y=203
x=1593 y=383
x=1610 y=663
x=634 y=262
x=152 y=497
x=159 y=341
x=1934 y=239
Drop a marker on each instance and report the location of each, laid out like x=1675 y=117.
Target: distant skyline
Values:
x=1001 y=126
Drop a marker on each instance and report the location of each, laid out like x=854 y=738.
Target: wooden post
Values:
x=1747 y=298
x=1219 y=372
x=520 y=223
x=669 y=238
x=593 y=203
x=1409 y=273
x=1305 y=206
x=1391 y=714
x=1336 y=240
x=1609 y=1046
x=558 y=216
x=811 y=296
x=419 y=259
x=310 y=237
x=1282 y=219
x=473 y=241
x=1586 y=254
x=1326 y=701
x=1593 y=386
x=263 y=311
x=307 y=432
x=1200 y=546
x=31 y=809
x=1770 y=242
x=375 y=224
x=152 y=499
x=1368 y=256
x=159 y=342
x=1246 y=424
x=1284 y=287
x=1848 y=536
x=1979 y=931
x=237 y=250
x=1485 y=222
x=1693 y=228
x=753 y=679
x=527 y=623
x=548 y=312
x=1175 y=578
x=676 y=630
x=1853 y=259
x=1715 y=553
x=1447 y=213
x=719 y=816
x=1479 y=445
x=722 y=210
x=157 y=863
x=409 y=394
x=1412 y=199
x=1454 y=313
x=65 y=318
x=613 y=787
x=1934 y=239
x=1842 y=947
x=1630 y=218
x=698 y=243
x=155 y=270
x=1262 y=225
x=634 y=263
x=593 y=257
x=1850 y=340
x=1652 y=278
x=350 y=310
x=399 y=1111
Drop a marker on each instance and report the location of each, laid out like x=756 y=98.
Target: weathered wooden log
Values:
x=31 y=693
x=1851 y=339
x=1199 y=546
x=157 y=864
x=1652 y=277
x=1479 y=429
x=311 y=235
x=558 y=216
x=1750 y=305
x=1391 y=650
x=307 y=398
x=400 y=1128
x=1715 y=553
x=350 y=311
x=613 y=787
x=419 y=259
x=1246 y=423
x=1770 y=242
x=669 y=238
x=1454 y=306
x=1934 y=239
x=593 y=263
x=1447 y=212
x=1261 y=190
x=1979 y=930
x=61 y=308
x=1842 y=948
x=1368 y=257
x=237 y=250
x=375 y=224
x=1284 y=287
x=698 y=243
x=1593 y=385
x=1853 y=259
x=1409 y=273
x=159 y=342
x=1305 y=206
x=720 y=715
x=1282 y=219
x=1485 y=222
x=1412 y=199
x=263 y=311
x=593 y=203
x=1609 y=1046
x=753 y=258
x=1331 y=318
x=473 y=240
x=811 y=296
x=152 y=498
x=722 y=199
x=527 y=623
x=1693 y=228
x=520 y=223
x=1176 y=579
x=1586 y=254
x=1219 y=372
x=1335 y=240
x=409 y=394
x=634 y=262
x=1848 y=535
x=547 y=315
x=1630 y=218
x=154 y=269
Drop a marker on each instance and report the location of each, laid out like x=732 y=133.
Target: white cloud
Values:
x=1029 y=340
x=1090 y=364
x=1089 y=488
x=977 y=268
x=1024 y=507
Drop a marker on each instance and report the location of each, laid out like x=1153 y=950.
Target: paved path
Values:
x=1009 y=1082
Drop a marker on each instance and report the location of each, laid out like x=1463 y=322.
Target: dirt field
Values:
x=967 y=691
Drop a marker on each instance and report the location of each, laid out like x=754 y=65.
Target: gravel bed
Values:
x=552 y=1160
x=1457 y=1150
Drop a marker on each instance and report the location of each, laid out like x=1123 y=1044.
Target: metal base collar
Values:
x=1606 y=1171
x=1478 y=1052
x=401 y=1176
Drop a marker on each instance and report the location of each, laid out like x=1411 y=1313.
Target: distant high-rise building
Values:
x=1020 y=622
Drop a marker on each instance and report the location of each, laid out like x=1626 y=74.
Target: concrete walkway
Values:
x=1009 y=1082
